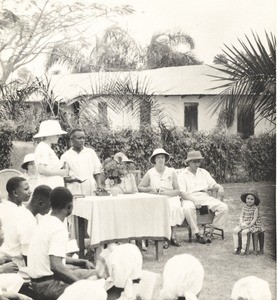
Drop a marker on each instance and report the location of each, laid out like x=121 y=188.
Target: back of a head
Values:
x=251 y=288
x=41 y=191
x=183 y=276
x=125 y=262
x=60 y=197
x=85 y=289
x=14 y=183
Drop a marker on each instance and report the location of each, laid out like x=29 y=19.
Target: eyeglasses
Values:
x=196 y=161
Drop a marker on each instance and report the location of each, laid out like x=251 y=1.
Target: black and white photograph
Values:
x=138 y=149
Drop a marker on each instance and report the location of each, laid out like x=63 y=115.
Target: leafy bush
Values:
x=6 y=134
x=260 y=157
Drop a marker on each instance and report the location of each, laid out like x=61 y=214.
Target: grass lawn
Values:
x=222 y=267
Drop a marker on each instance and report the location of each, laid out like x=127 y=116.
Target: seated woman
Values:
x=163 y=180
x=128 y=182
x=182 y=278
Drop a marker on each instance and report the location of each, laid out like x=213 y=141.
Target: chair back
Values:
x=5 y=175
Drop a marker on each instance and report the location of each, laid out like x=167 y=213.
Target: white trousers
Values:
x=11 y=282
x=219 y=208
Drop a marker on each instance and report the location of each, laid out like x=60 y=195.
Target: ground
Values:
x=222 y=267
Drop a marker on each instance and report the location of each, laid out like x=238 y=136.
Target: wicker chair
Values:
x=5 y=175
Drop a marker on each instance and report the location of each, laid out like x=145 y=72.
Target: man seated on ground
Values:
x=20 y=225
x=10 y=283
x=194 y=182
x=47 y=251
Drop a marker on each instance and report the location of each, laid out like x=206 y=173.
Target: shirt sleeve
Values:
x=58 y=244
x=210 y=181
x=96 y=162
x=181 y=181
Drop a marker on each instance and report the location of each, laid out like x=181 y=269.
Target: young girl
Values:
x=250 y=220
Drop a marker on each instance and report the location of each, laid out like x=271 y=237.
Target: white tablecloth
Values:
x=111 y=218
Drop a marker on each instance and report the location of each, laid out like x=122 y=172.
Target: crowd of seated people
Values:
x=34 y=234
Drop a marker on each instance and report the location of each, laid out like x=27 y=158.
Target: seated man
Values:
x=47 y=250
x=194 y=182
x=20 y=222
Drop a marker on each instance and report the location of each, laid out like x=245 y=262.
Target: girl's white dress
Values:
x=165 y=182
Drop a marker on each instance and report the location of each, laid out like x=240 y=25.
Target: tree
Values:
x=116 y=50
x=33 y=27
x=249 y=80
x=163 y=50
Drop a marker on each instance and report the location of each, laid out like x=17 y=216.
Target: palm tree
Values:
x=163 y=50
x=249 y=80
x=116 y=50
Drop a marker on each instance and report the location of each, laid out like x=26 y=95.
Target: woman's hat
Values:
x=193 y=155
x=49 y=128
x=27 y=158
x=157 y=152
x=252 y=192
x=121 y=157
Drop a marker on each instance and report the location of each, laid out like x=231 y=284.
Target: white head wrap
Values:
x=182 y=277
x=124 y=265
x=251 y=288
x=85 y=289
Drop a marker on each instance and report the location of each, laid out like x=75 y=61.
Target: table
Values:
x=126 y=216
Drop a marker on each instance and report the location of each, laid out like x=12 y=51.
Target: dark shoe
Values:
x=200 y=239
x=174 y=242
x=166 y=245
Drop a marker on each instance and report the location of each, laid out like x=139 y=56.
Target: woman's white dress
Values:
x=165 y=182
x=45 y=155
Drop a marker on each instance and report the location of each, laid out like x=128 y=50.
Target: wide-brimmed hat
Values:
x=27 y=158
x=121 y=157
x=252 y=192
x=193 y=155
x=157 y=152
x=49 y=128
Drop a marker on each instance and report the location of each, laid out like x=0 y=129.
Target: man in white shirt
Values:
x=84 y=166
x=47 y=250
x=10 y=211
x=194 y=182
x=20 y=222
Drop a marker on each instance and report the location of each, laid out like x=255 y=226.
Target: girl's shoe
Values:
x=236 y=251
x=242 y=252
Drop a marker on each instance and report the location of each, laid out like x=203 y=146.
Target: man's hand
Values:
x=9 y=267
x=5 y=258
x=220 y=193
x=198 y=206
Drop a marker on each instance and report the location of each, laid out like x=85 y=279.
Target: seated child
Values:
x=250 y=220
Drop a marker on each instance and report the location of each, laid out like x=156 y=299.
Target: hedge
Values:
x=229 y=158
x=7 y=130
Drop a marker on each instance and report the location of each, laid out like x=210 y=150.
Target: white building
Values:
x=183 y=94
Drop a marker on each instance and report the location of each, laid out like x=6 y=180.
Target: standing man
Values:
x=47 y=251
x=84 y=166
x=194 y=182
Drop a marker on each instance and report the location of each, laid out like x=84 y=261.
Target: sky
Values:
x=211 y=23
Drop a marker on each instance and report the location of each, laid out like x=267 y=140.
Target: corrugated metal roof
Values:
x=186 y=80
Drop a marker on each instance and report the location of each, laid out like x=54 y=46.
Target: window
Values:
x=191 y=116
x=103 y=112
x=246 y=123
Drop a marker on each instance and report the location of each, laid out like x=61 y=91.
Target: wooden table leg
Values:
x=81 y=237
x=159 y=249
